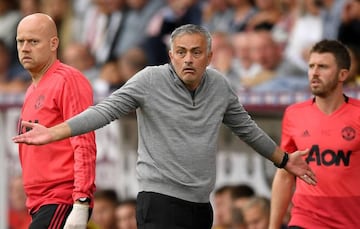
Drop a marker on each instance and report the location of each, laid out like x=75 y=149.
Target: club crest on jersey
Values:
x=348 y=133
x=39 y=102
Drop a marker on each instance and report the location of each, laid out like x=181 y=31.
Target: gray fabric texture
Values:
x=178 y=130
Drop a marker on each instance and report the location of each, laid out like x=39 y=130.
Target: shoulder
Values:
x=212 y=72
x=300 y=106
x=214 y=76
x=354 y=107
x=354 y=102
x=71 y=75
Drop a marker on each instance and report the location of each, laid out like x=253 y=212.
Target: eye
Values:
x=197 y=53
x=180 y=53
x=34 y=42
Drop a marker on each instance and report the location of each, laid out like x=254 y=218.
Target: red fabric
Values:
x=334 y=143
x=48 y=170
x=19 y=219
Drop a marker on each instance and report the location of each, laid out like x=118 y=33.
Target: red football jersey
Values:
x=334 y=144
x=62 y=171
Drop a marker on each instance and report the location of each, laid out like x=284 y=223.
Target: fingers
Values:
x=28 y=124
x=19 y=139
x=309 y=177
x=305 y=152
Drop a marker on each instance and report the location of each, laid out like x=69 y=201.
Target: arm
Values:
x=282 y=189
x=239 y=121
x=40 y=135
x=111 y=108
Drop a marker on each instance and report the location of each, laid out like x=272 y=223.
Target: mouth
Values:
x=25 y=59
x=315 y=83
x=188 y=70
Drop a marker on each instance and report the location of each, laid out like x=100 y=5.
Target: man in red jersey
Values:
x=329 y=126
x=58 y=177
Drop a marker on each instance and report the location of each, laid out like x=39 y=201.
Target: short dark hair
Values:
x=109 y=195
x=337 y=49
x=242 y=190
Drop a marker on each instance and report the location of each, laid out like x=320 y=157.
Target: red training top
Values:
x=334 y=143
x=62 y=171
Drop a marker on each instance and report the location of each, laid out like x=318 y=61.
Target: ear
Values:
x=210 y=55
x=54 y=43
x=343 y=75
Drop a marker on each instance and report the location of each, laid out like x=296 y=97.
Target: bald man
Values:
x=58 y=177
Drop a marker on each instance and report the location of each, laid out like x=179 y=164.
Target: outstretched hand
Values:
x=298 y=166
x=38 y=134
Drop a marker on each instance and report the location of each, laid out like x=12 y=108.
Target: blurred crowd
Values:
x=236 y=206
x=109 y=212
x=259 y=45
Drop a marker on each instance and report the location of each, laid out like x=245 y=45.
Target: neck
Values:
x=331 y=103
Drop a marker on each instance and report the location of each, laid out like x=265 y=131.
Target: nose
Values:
x=188 y=58
x=24 y=47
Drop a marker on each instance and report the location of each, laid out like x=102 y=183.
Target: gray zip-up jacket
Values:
x=178 y=129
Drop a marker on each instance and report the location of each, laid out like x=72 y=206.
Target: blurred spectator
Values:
x=265 y=52
x=277 y=73
x=238 y=221
x=13 y=79
x=222 y=207
x=9 y=17
x=61 y=11
x=241 y=13
x=257 y=213
x=131 y=62
x=349 y=31
x=79 y=56
x=27 y=7
x=223 y=54
x=215 y=15
x=268 y=14
x=353 y=80
x=136 y=22
x=241 y=194
x=109 y=79
x=19 y=217
x=283 y=28
x=125 y=214
x=301 y=40
x=169 y=17
x=242 y=61
x=331 y=17
x=102 y=25
x=103 y=216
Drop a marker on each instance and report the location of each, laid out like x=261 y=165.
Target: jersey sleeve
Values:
x=77 y=95
x=287 y=140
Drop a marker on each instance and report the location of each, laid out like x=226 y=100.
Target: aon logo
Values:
x=328 y=157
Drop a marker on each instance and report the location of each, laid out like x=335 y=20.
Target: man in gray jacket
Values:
x=180 y=107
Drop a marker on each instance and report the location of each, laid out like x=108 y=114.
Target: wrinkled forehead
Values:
x=189 y=40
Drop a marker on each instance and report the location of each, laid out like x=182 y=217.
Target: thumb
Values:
x=304 y=152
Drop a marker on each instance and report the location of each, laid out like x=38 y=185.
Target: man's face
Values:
x=223 y=205
x=264 y=51
x=35 y=46
x=255 y=218
x=126 y=217
x=323 y=74
x=190 y=58
x=103 y=213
